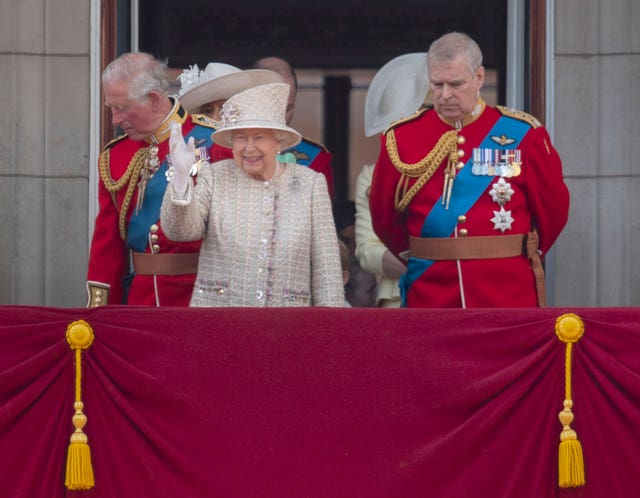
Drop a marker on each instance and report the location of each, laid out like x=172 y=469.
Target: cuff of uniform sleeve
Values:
x=98 y=294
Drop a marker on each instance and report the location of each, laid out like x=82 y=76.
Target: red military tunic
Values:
x=536 y=197
x=114 y=237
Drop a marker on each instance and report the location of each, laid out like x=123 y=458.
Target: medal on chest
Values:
x=501 y=193
x=505 y=163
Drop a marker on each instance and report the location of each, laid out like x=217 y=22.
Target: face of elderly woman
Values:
x=254 y=150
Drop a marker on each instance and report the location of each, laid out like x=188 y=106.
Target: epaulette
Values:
x=317 y=144
x=406 y=119
x=521 y=115
x=204 y=120
x=116 y=140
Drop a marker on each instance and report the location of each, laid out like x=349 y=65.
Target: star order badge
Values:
x=501 y=192
x=502 y=220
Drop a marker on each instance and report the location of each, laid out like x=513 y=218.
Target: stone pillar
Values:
x=597 y=65
x=44 y=149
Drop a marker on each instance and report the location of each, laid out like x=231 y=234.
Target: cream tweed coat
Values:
x=266 y=243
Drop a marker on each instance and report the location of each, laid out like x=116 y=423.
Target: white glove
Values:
x=183 y=156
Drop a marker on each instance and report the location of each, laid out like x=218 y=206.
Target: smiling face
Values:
x=137 y=118
x=254 y=151
x=454 y=87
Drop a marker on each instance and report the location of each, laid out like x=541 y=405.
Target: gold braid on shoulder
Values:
x=130 y=176
x=424 y=169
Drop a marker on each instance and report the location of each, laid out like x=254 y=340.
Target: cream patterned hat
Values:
x=262 y=106
x=396 y=91
x=218 y=81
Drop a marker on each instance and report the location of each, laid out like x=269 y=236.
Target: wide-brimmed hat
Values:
x=219 y=81
x=262 y=106
x=397 y=90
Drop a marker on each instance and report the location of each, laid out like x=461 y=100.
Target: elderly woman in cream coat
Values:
x=269 y=238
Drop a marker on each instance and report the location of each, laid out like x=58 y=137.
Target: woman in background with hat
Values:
x=269 y=237
x=204 y=92
x=396 y=91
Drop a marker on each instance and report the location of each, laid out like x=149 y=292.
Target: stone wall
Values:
x=44 y=149
x=597 y=101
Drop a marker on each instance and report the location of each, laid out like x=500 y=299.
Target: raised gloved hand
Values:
x=183 y=156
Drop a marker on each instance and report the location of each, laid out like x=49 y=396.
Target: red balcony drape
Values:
x=319 y=403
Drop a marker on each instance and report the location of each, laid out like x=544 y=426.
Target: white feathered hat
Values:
x=397 y=90
x=262 y=106
x=218 y=81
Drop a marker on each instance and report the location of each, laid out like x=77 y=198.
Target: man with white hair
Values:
x=133 y=178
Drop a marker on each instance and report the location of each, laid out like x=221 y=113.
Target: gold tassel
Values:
x=569 y=329
x=79 y=474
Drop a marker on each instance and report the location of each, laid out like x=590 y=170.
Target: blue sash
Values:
x=139 y=224
x=305 y=152
x=467 y=189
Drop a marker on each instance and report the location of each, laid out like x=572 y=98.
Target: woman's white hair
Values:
x=280 y=135
x=142 y=72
